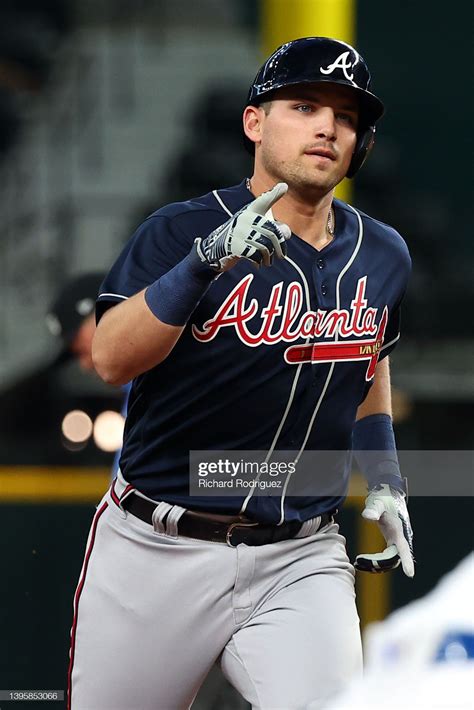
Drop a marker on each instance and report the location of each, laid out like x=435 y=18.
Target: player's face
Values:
x=308 y=135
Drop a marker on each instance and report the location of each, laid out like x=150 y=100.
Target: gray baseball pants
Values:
x=153 y=612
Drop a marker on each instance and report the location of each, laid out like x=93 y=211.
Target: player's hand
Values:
x=247 y=235
x=388 y=507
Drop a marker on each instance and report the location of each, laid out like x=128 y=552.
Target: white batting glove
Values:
x=387 y=506
x=247 y=235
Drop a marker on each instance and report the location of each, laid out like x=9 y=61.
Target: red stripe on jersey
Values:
x=338 y=350
x=327 y=352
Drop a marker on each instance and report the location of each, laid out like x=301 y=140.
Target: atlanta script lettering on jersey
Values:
x=359 y=321
x=237 y=309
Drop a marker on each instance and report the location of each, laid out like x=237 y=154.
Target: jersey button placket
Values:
x=317 y=270
x=322 y=290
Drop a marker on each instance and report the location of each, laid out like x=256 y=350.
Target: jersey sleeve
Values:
x=157 y=245
x=392 y=332
x=402 y=273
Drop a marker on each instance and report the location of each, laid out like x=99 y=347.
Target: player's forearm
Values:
x=373 y=438
x=141 y=332
x=379 y=397
x=130 y=340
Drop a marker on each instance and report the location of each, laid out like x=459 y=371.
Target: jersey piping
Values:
x=218 y=198
x=331 y=370
x=292 y=392
x=295 y=379
x=114 y=295
x=390 y=343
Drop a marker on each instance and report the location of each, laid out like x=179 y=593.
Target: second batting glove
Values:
x=387 y=506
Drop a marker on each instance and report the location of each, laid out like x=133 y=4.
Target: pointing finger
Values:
x=262 y=204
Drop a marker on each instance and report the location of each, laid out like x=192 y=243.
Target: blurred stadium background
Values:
x=110 y=109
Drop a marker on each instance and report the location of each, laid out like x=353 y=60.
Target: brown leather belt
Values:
x=196 y=525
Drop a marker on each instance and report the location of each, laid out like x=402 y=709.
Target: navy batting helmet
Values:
x=321 y=59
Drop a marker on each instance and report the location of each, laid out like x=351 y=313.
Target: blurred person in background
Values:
x=71 y=318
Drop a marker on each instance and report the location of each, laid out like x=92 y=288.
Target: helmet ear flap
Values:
x=365 y=143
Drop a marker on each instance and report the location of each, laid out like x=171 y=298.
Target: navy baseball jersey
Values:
x=274 y=358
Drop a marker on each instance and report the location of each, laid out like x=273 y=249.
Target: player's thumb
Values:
x=373 y=510
x=262 y=204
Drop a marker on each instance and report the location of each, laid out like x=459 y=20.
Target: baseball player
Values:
x=256 y=317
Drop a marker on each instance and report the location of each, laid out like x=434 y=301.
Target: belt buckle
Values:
x=231 y=528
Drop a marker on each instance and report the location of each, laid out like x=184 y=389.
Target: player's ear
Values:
x=253 y=119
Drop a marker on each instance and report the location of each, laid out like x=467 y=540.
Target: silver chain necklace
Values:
x=330 y=223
